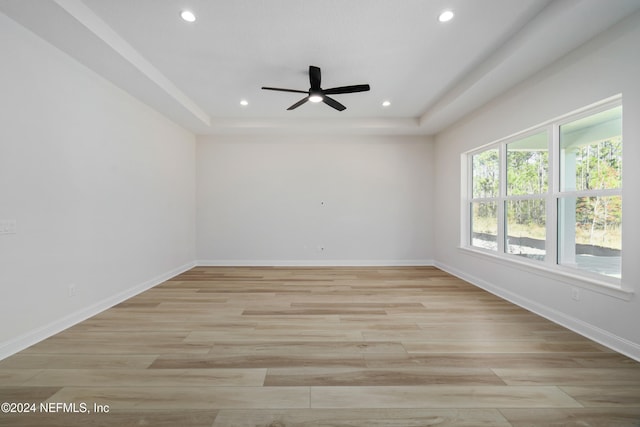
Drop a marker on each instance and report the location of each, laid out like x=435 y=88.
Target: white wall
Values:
x=260 y=200
x=607 y=66
x=101 y=186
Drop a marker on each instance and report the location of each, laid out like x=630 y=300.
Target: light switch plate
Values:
x=8 y=226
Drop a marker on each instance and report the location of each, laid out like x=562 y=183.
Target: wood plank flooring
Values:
x=312 y=347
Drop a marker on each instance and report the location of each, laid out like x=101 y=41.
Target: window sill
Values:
x=577 y=280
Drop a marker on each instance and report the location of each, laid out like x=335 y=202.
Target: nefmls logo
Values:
x=65 y=407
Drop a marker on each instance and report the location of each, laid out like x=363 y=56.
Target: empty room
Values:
x=332 y=213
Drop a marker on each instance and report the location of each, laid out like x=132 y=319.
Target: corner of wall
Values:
x=581 y=327
x=32 y=337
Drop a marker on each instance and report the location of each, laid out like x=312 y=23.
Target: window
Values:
x=552 y=195
x=590 y=201
x=484 y=208
x=527 y=188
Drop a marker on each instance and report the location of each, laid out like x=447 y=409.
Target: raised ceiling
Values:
x=432 y=73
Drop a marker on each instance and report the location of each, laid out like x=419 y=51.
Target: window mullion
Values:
x=502 y=216
x=552 y=200
x=465 y=231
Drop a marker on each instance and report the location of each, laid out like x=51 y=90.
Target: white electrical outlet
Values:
x=8 y=226
x=575 y=294
x=73 y=290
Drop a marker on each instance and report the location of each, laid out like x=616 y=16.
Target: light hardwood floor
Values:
x=311 y=347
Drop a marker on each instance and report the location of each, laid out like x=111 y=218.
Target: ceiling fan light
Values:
x=187 y=16
x=446 y=16
x=315 y=98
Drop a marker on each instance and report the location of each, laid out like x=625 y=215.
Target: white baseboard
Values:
x=585 y=329
x=32 y=337
x=314 y=263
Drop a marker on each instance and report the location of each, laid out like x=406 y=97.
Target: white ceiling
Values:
x=432 y=73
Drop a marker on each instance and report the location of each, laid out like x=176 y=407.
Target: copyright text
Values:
x=53 y=408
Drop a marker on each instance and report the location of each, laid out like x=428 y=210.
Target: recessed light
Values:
x=188 y=16
x=446 y=16
x=386 y=103
x=244 y=102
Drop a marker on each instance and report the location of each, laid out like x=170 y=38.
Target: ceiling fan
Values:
x=317 y=94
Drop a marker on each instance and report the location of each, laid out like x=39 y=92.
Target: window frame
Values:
x=551 y=264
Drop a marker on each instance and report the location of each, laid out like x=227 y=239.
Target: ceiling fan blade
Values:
x=347 y=89
x=315 y=77
x=333 y=103
x=284 y=90
x=299 y=103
